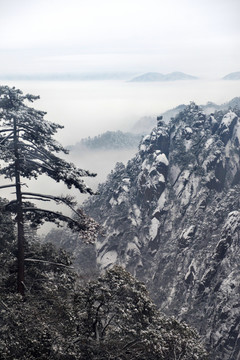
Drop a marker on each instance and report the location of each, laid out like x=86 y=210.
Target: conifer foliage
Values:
x=65 y=318
x=27 y=150
x=117 y=320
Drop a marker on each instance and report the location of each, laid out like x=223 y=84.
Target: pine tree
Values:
x=116 y=319
x=27 y=150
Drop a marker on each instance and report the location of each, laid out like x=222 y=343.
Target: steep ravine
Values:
x=172 y=218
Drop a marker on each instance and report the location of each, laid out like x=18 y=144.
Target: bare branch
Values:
x=7 y=137
x=131 y=343
x=50 y=197
x=34 y=198
x=49 y=263
x=3 y=303
x=107 y=324
x=6 y=186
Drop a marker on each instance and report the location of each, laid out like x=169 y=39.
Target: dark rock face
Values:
x=172 y=218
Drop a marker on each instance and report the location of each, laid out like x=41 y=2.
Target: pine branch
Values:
x=39 y=165
x=58 y=216
x=33 y=159
x=38 y=149
x=68 y=201
x=6 y=130
x=66 y=172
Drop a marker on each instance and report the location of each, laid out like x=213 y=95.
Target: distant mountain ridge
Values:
x=155 y=76
x=232 y=76
x=129 y=76
x=119 y=140
x=146 y=124
x=110 y=140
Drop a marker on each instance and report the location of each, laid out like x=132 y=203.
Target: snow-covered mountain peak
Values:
x=171 y=217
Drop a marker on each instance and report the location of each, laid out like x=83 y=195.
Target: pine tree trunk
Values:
x=20 y=229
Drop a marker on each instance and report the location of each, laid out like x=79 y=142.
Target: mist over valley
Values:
x=88 y=109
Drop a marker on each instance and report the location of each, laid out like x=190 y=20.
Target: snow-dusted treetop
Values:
x=28 y=149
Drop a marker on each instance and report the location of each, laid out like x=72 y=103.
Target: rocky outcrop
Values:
x=172 y=218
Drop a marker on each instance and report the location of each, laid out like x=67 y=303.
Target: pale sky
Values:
x=200 y=37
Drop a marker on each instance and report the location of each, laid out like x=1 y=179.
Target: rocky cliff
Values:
x=172 y=218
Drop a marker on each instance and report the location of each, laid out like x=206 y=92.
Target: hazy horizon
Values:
x=197 y=37
x=98 y=76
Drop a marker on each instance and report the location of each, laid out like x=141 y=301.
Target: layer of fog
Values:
x=88 y=108
x=100 y=162
x=91 y=108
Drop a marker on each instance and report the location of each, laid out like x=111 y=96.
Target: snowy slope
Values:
x=172 y=217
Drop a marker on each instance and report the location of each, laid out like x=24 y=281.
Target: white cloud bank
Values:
x=142 y=35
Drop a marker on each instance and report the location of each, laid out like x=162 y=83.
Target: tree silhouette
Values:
x=27 y=150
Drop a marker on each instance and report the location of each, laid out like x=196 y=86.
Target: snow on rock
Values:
x=227 y=119
x=236 y=133
x=175 y=222
x=101 y=243
x=188 y=130
x=232 y=223
x=161 y=178
x=125 y=188
x=154 y=228
x=121 y=198
x=137 y=211
x=135 y=215
x=227 y=125
x=109 y=258
x=143 y=147
x=161 y=202
x=209 y=142
x=146 y=165
x=188 y=144
x=161 y=158
x=191 y=272
x=188 y=233
x=112 y=201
